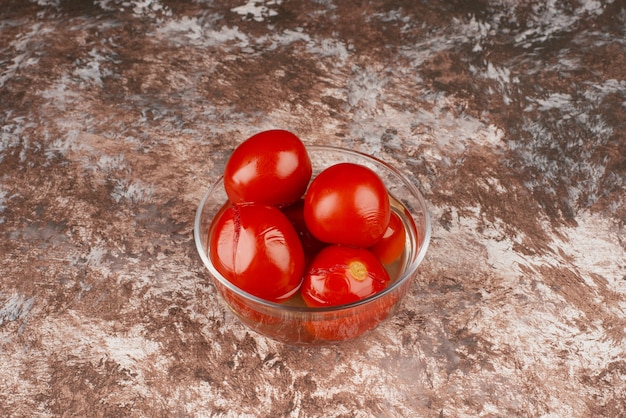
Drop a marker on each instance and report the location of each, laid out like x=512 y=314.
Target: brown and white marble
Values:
x=116 y=115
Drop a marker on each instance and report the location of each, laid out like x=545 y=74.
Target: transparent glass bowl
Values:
x=293 y=323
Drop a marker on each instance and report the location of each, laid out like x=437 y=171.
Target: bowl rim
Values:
x=408 y=272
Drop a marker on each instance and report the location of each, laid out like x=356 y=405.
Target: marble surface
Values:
x=116 y=115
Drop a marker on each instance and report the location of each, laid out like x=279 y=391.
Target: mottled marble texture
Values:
x=116 y=115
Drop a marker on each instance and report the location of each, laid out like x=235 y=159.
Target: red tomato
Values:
x=391 y=246
x=347 y=204
x=353 y=324
x=246 y=310
x=257 y=249
x=310 y=244
x=271 y=167
x=339 y=275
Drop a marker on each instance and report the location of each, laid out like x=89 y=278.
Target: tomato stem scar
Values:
x=358 y=270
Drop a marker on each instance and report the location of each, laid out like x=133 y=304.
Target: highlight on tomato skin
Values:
x=257 y=249
x=347 y=204
x=271 y=167
x=339 y=275
x=391 y=246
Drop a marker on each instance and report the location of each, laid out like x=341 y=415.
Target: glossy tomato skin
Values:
x=340 y=274
x=347 y=204
x=391 y=246
x=271 y=167
x=256 y=248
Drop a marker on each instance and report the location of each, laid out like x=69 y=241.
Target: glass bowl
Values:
x=294 y=323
